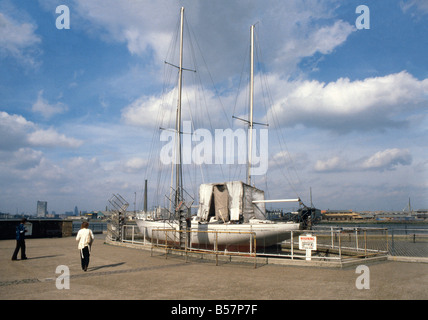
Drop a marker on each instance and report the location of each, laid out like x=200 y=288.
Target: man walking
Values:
x=20 y=240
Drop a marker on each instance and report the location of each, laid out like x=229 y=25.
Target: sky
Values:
x=343 y=88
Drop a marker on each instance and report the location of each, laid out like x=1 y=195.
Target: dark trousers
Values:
x=20 y=244
x=84 y=257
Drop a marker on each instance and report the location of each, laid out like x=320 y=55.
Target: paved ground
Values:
x=125 y=274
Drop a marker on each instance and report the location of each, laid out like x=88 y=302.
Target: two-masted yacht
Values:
x=229 y=213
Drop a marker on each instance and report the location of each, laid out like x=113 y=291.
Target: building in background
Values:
x=42 y=209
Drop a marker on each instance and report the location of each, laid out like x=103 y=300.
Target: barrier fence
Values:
x=332 y=243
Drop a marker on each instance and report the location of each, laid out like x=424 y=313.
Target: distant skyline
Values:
x=79 y=105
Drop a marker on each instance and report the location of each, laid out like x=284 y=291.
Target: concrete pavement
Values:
x=119 y=273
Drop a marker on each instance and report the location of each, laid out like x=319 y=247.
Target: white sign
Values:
x=308 y=242
x=28 y=228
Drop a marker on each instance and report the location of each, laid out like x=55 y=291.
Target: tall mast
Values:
x=250 y=123
x=178 y=179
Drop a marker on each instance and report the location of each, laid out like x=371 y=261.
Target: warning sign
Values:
x=308 y=242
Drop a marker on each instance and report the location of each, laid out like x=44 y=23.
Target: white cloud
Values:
x=333 y=164
x=141 y=25
x=13 y=130
x=388 y=159
x=46 y=109
x=291 y=29
x=135 y=164
x=345 y=105
x=323 y=40
x=25 y=158
x=18 y=40
x=421 y=6
x=51 y=138
x=17 y=133
x=146 y=111
x=197 y=103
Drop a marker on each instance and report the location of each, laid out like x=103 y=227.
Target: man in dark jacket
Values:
x=20 y=240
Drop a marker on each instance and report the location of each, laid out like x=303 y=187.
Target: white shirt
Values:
x=85 y=237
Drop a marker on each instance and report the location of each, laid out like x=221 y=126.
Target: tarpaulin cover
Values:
x=230 y=201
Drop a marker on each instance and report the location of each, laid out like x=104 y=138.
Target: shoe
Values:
x=25 y=258
x=14 y=259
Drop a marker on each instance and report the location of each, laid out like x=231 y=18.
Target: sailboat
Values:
x=229 y=213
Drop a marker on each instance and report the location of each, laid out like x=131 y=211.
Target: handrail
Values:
x=216 y=251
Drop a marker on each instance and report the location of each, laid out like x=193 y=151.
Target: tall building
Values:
x=42 y=208
x=76 y=212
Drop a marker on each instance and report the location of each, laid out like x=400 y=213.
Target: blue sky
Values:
x=79 y=106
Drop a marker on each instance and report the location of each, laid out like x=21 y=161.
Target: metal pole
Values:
x=292 y=246
x=145 y=196
x=356 y=238
x=251 y=243
x=178 y=181
x=365 y=243
x=216 y=248
x=255 y=251
x=185 y=245
x=387 y=247
x=166 y=245
x=250 y=125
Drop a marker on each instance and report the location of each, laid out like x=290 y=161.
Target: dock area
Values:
x=121 y=273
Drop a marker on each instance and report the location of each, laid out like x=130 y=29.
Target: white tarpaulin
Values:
x=230 y=201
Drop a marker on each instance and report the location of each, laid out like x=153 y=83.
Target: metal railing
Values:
x=333 y=244
x=169 y=239
x=408 y=242
x=336 y=245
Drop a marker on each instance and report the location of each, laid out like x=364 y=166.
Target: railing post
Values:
x=292 y=246
x=356 y=238
x=255 y=250
x=365 y=243
x=251 y=243
x=216 y=248
x=166 y=244
x=387 y=246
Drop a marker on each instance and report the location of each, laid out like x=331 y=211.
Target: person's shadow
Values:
x=42 y=257
x=106 y=266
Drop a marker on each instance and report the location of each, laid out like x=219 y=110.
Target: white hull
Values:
x=266 y=233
